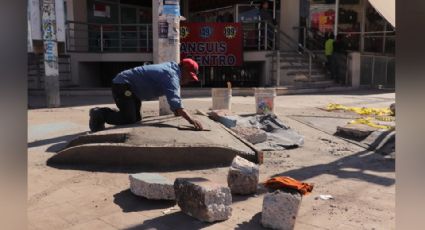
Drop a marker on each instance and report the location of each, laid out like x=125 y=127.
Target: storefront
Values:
x=228 y=67
x=361 y=27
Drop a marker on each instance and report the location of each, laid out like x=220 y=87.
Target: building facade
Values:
x=99 y=38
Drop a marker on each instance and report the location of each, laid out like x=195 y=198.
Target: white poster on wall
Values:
x=60 y=20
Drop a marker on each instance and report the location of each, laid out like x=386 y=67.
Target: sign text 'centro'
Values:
x=212 y=44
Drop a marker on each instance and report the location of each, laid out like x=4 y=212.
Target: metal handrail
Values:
x=94 y=37
x=285 y=38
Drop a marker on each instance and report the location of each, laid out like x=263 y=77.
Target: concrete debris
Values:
x=168 y=210
x=203 y=199
x=279 y=135
x=224 y=117
x=152 y=186
x=243 y=176
x=280 y=210
x=253 y=135
x=324 y=197
x=355 y=130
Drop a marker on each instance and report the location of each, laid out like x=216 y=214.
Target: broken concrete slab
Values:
x=156 y=143
x=279 y=135
x=251 y=134
x=203 y=199
x=355 y=130
x=280 y=210
x=243 y=177
x=152 y=186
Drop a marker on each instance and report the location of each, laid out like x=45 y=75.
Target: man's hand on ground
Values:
x=197 y=125
x=182 y=112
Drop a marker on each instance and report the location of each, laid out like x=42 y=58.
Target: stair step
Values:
x=302 y=67
x=320 y=72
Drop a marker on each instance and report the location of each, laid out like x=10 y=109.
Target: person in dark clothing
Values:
x=267 y=16
x=329 y=50
x=339 y=60
x=148 y=82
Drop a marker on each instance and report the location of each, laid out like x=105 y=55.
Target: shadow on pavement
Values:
x=132 y=203
x=350 y=167
x=253 y=224
x=173 y=221
x=58 y=142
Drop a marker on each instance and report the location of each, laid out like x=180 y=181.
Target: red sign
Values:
x=212 y=44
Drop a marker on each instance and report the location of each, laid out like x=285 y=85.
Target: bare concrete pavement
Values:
x=362 y=182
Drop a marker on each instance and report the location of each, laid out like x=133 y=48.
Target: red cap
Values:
x=192 y=66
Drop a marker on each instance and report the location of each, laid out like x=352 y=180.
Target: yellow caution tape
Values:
x=385 y=118
x=360 y=110
x=368 y=121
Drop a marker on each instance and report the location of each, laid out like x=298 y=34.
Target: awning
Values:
x=386 y=8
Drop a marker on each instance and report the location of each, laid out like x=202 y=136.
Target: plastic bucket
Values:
x=221 y=98
x=264 y=100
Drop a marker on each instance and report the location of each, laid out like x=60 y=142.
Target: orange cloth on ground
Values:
x=288 y=182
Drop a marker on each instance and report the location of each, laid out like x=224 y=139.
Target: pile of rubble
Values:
x=208 y=201
x=264 y=131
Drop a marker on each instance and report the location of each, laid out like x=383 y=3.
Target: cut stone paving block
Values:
x=243 y=176
x=280 y=210
x=356 y=130
x=253 y=135
x=152 y=186
x=203 y=199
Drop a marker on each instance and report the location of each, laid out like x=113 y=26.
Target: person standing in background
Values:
x=339 y=60
x=329 y=49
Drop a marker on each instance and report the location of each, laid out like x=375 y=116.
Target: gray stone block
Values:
x=243 y=176
x=152 y=186
x=280 y=210
x=355 y=130
x=203 y=199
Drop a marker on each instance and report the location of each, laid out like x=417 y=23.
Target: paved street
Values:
x=361 y=182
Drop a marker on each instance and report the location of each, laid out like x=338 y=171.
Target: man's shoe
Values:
x=97 y=122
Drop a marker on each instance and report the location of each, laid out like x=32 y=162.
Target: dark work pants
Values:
x=128 y=105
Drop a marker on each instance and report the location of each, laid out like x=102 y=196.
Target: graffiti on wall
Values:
x=49 y=38
x=168 y=30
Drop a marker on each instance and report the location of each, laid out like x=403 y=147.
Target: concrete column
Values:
x=289 y=18
x=336 y=18
x=51 y=66
x=363 y=24
x=166 y=24
x=354 y=69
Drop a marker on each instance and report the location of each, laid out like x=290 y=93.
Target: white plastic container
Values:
x=264 y=100
x=221 y=98
x=164 y=108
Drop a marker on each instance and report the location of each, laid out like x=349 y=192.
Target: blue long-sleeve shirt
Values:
x=151 y=81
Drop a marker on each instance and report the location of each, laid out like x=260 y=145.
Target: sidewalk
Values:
x=362 y=182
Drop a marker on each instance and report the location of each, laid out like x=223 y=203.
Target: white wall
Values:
x=60 y=20
x=290 y=17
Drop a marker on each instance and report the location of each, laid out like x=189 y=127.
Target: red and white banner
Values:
x=101 y=10
x=212 y=43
